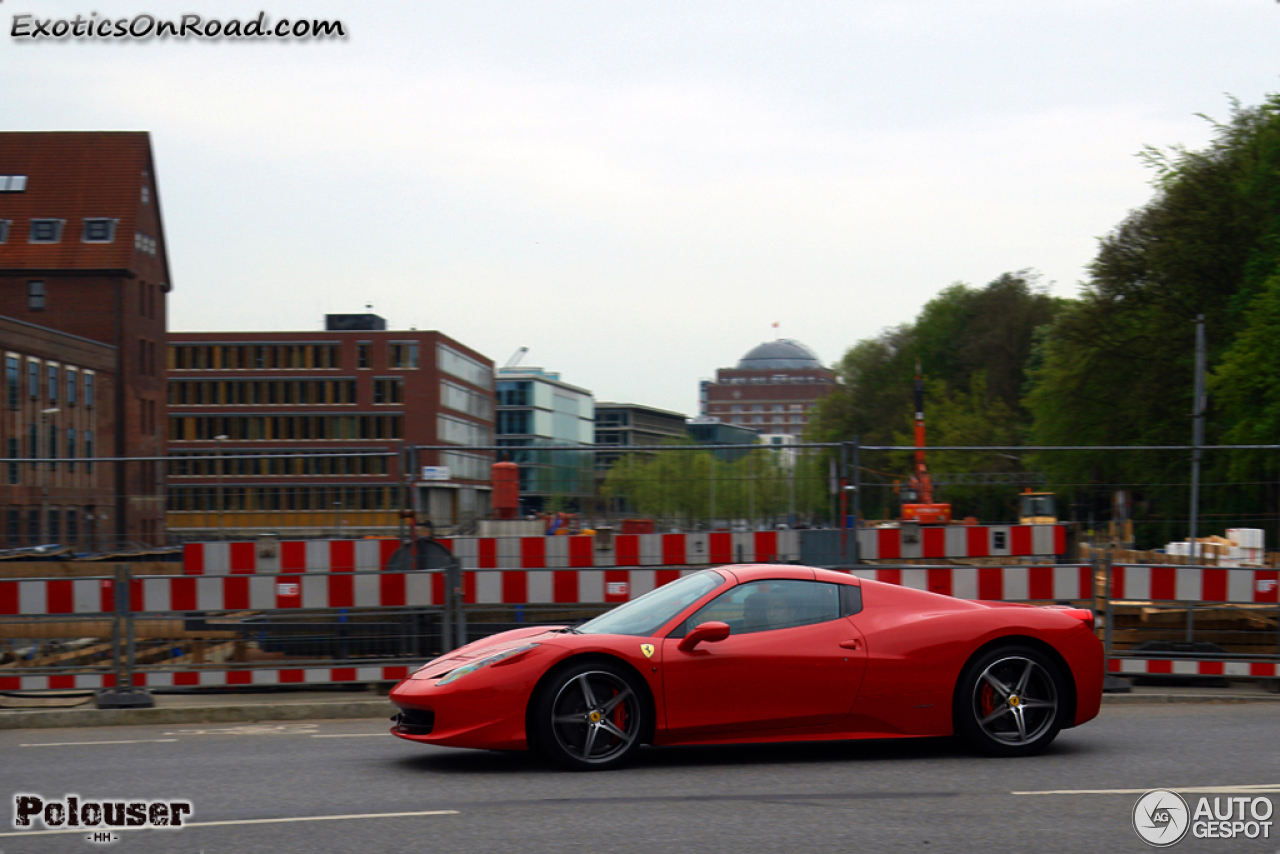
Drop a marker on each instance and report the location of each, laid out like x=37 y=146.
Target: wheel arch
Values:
x=585 y=658
x=1028 y=641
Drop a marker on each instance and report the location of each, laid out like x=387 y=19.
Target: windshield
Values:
x=644 y=616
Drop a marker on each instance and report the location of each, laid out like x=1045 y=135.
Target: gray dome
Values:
x=783 y=354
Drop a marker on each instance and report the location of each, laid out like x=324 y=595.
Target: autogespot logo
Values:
x=1161 y=818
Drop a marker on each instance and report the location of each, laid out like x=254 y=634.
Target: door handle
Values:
x=852 y=643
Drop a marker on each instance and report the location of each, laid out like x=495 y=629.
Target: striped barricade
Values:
x=1193 y=586
x=209 y=678
x=635 y=550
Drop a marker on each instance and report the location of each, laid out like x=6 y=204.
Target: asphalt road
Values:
x=334 y=786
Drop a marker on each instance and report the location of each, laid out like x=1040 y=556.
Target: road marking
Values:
x=1244 y=788
x=355 y=735
x=82 y=743
x=252 y=729
x=232 y=822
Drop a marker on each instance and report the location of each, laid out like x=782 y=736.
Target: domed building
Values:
x=773 y=388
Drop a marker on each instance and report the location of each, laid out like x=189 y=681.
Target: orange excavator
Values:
x=917 y=496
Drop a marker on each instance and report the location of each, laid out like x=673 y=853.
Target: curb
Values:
x=241 y=713
x=1152 y=699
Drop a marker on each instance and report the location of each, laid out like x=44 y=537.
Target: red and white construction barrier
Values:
x=1194 y=584
x=161 y=594
x=1187 y=667
x=246 y=558
x=208 y=678
x=962 y=541
x=628 y=550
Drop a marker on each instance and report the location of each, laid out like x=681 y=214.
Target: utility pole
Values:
x=1197 y=432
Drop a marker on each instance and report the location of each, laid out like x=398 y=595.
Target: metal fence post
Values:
x=453 y=630
x=125 y=695
x=1110 y=684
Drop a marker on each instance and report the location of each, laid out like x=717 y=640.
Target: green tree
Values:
x=1117 y=367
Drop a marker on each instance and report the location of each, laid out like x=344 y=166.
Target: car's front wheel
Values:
x=590 y=716
x=1011 y=701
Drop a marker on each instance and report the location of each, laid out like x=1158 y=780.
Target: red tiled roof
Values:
x=71 y=176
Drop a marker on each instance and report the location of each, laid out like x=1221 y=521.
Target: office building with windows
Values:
x=540 y=418
x=623 y=425
x=84 y=276
x=311 y=431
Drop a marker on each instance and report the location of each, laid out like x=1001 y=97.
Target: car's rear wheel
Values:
x=1011 y=701
x=590 y=716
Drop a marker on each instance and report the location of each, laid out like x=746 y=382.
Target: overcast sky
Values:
x=637 y=190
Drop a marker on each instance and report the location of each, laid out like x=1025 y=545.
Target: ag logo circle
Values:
x=1161 y=818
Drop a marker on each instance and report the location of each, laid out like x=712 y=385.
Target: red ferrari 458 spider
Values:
x=760 y=653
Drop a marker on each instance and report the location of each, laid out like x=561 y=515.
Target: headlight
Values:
x=473 y=666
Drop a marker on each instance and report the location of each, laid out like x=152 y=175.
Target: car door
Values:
x=794 y=665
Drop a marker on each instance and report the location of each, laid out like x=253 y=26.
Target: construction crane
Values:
x=516 y=357
x=917 y=497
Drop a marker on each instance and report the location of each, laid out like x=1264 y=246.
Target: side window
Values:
x=762 y=606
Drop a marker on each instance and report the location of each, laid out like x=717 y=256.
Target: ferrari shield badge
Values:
x=647 y=649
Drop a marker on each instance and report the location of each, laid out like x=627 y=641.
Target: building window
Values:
x=362 y=354
x=146 y=195
x=88 y=449
x=33 y=378
x=46 y=230
x=4 y=230
x=71 y=386
x=53 y=383
x=99 y=230
x=403 y=354
x=13 y=183
x=71 y=445
x=13 y=386
x=14 y=453
x=88 y=389
x=388 y=390
x=35 y=296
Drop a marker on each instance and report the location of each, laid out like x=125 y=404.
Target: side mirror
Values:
x=709 y=632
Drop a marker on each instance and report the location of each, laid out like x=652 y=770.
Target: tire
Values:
x=1011 y=701
x=590 y=716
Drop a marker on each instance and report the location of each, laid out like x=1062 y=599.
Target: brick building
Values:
x=55 y=413
x=774 y=389
x=306 y=431
x=82 y=253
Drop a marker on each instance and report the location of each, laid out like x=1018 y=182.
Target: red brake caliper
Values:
x=620 y=715
x=988 y=700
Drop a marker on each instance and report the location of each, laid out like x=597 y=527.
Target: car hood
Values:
x=487 y=647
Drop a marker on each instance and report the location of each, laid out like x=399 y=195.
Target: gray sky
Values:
x=637 y=190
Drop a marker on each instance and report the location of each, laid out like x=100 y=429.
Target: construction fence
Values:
x=376 y=614
x=242 y=490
